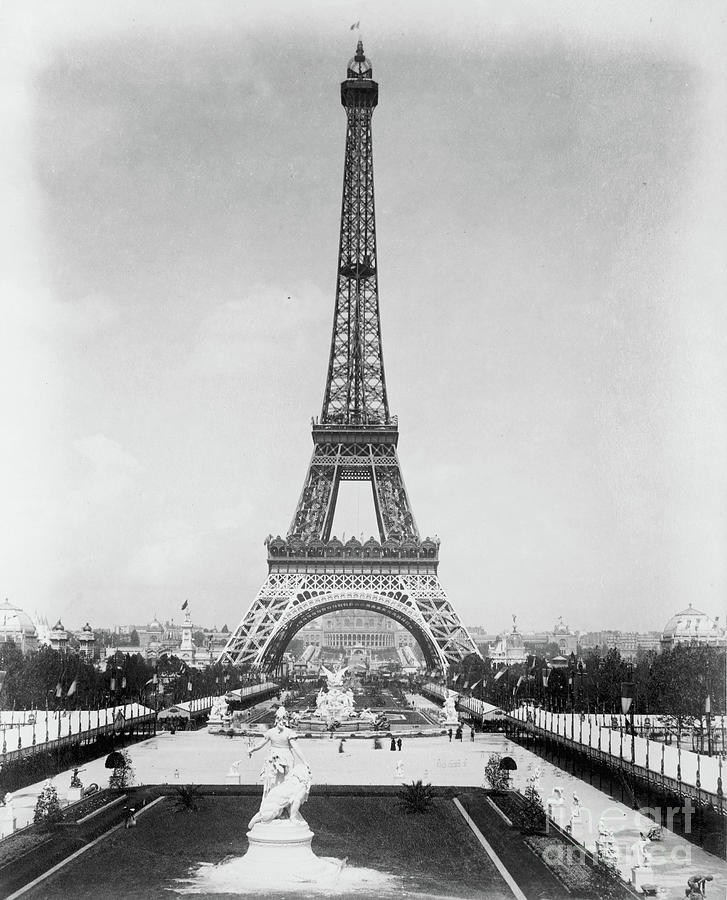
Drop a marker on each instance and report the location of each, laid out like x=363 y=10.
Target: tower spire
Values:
x=355 y=391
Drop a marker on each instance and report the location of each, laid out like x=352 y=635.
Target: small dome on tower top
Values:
x=359 y=66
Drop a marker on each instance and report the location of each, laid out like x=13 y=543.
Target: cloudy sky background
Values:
x=551 y=211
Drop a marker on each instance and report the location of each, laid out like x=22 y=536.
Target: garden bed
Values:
x=434 y=854
x=90 y=804
x=14 y=846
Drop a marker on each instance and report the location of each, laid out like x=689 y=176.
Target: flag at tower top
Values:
x=355 y=393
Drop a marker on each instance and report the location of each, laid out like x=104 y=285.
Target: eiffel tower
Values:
x=309 y=571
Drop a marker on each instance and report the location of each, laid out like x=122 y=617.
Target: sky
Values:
x=551 y=202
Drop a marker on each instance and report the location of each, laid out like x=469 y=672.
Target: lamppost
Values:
x=627 y=706
x=546 y=675
x=708 y=714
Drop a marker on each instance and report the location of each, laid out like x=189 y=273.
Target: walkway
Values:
x=594 y=732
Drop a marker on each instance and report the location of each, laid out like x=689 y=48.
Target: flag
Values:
x=355 y=26
x=475 y=685
x=112 y=684
x=454 y=680
x=189 y=686
x=123 y=682
x=72 y=688
x=519 y=682
x=500 y=673
x=59 y=690
x=185 y=605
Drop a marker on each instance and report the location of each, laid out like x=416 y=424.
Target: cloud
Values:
x=168 y=553
x=233 y=518
x=111 y=470
x=241 y=336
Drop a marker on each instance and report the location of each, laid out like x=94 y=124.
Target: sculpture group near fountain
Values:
x=219 y=717
x=337 y=703
x=448 y=715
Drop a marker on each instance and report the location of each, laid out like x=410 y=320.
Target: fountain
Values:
x=335 y=707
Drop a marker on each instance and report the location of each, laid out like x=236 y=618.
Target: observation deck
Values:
x=407 y=556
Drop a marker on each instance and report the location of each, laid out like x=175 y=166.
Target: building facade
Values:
x=695 y=628
x=349 y=628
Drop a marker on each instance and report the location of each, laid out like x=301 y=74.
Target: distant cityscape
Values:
x=371 y=636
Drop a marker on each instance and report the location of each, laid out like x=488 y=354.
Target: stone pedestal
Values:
x=234 y=778
x=279 y=858
x=641 y=875
x=74 y=794
x=286 y=845
x=7 y=820
x=216 y=724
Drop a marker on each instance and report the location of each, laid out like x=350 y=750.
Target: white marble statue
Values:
x=335 y=679
x=220 y=709
x=640 y=853
x=575 y=815
x=288 y=794
x=284 y=754
x=281 y=714
x=335 y=704
x=449 y=712
x=554 y=806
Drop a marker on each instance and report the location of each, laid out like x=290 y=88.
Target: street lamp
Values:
x=627 y=707
x=708 y=714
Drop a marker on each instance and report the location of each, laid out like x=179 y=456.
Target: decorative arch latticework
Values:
x=288 y=601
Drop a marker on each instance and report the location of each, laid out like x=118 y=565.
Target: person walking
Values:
x=393 y=743
x=458 y=735
x=398 y=744
x=450 y=735
x=472 y=732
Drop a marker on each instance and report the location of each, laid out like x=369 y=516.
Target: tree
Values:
x=531 y=819
x=225 y=629
x=47 y=807
x=123 y=773
x=679 y=681
x=497 y=778
x=134 y=638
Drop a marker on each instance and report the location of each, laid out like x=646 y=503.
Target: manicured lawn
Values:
x=433 y=854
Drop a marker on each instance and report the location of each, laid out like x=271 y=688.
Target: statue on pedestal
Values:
x=640 y=852
x=449 y=713
x=283 y=756
x=555 y=803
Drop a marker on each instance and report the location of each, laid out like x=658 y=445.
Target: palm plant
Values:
x=416 y=797
x=187 y=798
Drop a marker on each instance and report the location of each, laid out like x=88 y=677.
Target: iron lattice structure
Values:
x=310 y=572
